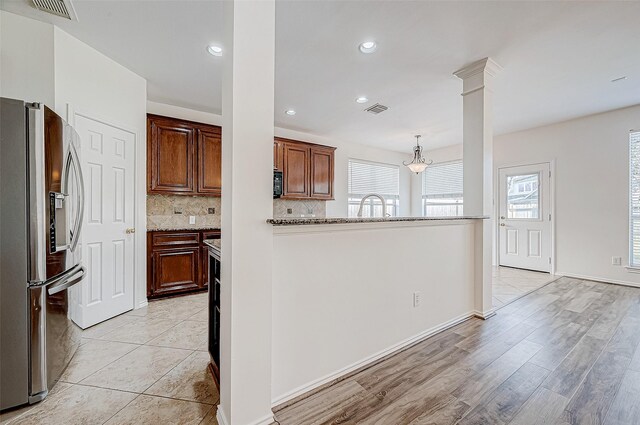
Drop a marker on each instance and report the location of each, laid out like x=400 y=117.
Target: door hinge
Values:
x=549 y=173
x=549 y=217
x=549 y=260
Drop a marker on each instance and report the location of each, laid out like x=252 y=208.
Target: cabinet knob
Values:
x=130 y=230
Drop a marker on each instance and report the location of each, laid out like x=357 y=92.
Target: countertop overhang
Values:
x=355 y=220
x=214 y=247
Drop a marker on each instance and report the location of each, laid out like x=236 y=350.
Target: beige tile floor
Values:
x=147 y=366
x=509 y=284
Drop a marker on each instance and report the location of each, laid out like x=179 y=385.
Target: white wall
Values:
x=97 y=86
x=329 y=320
x=344 y=151
x=26 y=59
x=183 y=113
x=91 y=84
x=40 y=62
x=591 y=182
x=591 y=185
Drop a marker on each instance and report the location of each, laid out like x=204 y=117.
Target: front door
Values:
x=108 y=165
x=525 y=219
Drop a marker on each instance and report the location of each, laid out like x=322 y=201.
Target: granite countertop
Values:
x=214 y=246
x=174 y=229
x=350 y=220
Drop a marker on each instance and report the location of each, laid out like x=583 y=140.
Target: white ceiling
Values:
x=558 y=59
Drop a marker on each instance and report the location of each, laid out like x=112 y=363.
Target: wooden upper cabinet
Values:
x=296 y=171
x=307 y=169
x=277 y=154
x=209 y=162
x=183 y=157
x=170 y=164
x=321 y=173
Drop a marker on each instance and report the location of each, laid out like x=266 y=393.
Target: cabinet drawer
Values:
x=167 y=240
x=210 y=234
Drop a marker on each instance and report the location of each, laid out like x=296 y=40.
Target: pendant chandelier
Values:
x=418 y=164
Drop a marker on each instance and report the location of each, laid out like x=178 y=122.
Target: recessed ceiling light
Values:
x=368 y=47
x=615 y=80
x=214 y=50
x=362 y=99
x=290 y=112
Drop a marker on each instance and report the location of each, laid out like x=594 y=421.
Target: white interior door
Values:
x=525 y=221
x=108 y=166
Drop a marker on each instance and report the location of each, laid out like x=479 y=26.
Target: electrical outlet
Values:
x=192 y=219
x=211 y=210
x=416 y=299
x=177 y=210
x=289 y=210
x=616 y=261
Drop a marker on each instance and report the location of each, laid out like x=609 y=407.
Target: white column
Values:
x=477 y=92
x=247 y=240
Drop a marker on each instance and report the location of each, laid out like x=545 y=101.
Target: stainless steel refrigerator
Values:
x=41 y=209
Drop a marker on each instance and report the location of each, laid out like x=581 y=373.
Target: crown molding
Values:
x=487 y=65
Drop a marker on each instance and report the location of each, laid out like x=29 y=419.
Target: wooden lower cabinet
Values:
x=176 y=270
x=177 y=262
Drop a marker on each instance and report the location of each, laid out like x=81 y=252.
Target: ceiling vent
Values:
x=62 y=8
x=376 y=109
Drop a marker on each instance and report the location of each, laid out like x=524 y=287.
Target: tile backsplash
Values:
x=169 y=212
x=299 y=208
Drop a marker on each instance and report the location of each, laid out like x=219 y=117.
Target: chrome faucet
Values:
x=376 y=195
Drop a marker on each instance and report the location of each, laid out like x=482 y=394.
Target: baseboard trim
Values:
x=313 y=387
x=142 y=304
x=222 y=419
x=599 y=279
x=486 y=314
x=266 y=420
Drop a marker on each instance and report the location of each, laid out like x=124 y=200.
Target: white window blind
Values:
x=442 y=189
x=634 y=201
x=372 y=177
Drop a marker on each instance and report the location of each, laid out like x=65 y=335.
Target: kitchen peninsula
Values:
x=348 y=291
x=214 y=306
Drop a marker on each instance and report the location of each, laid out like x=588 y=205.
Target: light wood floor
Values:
x=565 y=354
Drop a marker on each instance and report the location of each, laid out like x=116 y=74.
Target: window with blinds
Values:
x=371 y=177
x=442 y=190
x=634 y=201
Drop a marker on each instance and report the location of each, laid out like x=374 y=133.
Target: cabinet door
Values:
x=171 y=157
x=295 y=170
x=209 y=163
x=175 y=270
x=321 y=173
x=277 y=155
x=204 y=267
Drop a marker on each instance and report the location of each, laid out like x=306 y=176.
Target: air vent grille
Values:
x=376 y=109
x=62 y=8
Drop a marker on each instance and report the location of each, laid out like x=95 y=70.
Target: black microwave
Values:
x=277 y=183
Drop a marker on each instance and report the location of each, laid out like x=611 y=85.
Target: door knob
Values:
x=130 y=230
x=502 y=217
x=502 y=224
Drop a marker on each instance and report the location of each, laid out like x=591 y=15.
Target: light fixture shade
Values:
x=417 y=167
x=418 y=164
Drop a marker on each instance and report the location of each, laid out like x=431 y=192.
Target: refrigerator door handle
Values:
x=58 y=278
x=77 y=228
x=67 y=283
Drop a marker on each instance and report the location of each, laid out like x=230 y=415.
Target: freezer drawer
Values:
x=54 y=338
